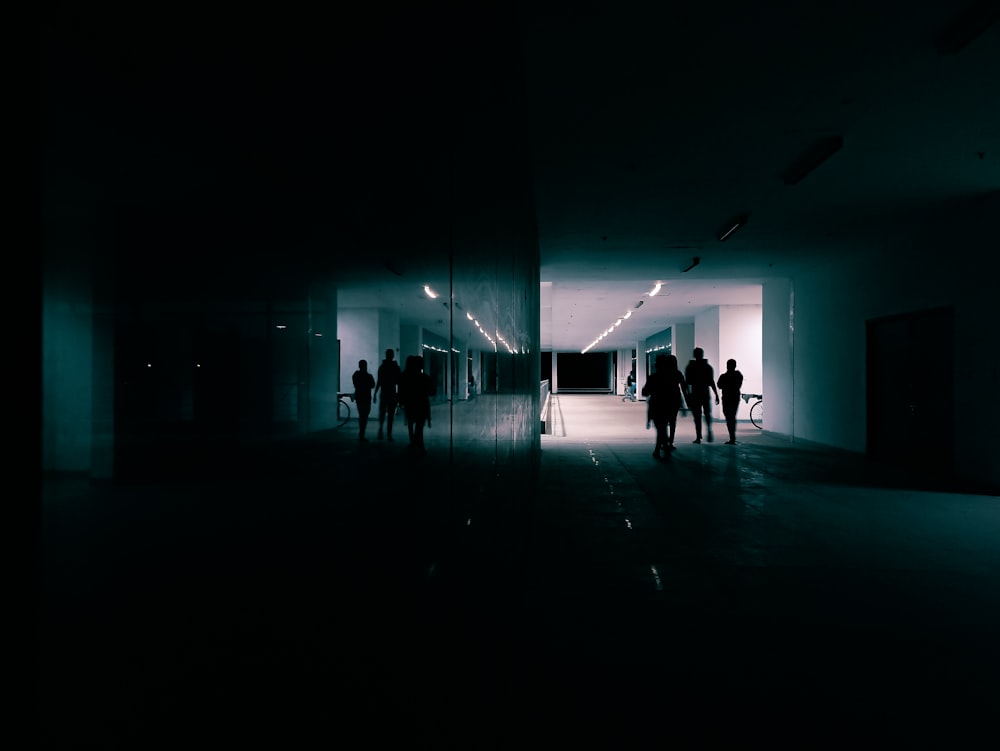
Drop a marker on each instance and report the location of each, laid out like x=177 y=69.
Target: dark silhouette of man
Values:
x=731 y=385
x=388 y=382
x=364 y=382
x=700 y=379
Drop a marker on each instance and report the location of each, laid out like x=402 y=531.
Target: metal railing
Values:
x=544 y=393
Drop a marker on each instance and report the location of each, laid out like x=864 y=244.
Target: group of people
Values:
x=408 y=388
x=667 y=388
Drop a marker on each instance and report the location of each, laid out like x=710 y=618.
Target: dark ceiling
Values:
x=651 y=127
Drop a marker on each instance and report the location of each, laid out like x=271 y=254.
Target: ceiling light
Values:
x=469 y=316
x=628 y=315
x=655 y=289
x=731 y=226
x=430 y=293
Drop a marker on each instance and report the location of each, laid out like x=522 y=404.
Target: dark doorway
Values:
x=910 y=390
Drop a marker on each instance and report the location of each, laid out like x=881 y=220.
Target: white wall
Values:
x=358 y=330
x=411 y=342
x=818 y=354
x=740 y=339
x=388 y=335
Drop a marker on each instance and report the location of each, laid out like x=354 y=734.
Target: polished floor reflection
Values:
x=333 y=592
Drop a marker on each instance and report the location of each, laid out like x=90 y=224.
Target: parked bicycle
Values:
x=756 y=409
x=343 y=408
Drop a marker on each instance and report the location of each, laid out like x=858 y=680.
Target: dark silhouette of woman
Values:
x=664 y=391
x=415 y=398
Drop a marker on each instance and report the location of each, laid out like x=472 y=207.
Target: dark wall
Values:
x=589 y=370
x=233 y=163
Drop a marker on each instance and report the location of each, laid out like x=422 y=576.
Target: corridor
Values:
x=336 y=593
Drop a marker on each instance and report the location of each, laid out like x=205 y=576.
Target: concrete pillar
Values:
x=683 y=343
x=325 y=374
x=411 y=342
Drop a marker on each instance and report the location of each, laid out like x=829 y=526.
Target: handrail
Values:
x=545 y=393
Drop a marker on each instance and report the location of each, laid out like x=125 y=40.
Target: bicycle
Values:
x=343 y=410
x=629 y=395
x=756 y=410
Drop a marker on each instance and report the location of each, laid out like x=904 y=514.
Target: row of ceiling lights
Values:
x=618 y=322
x=432 y=294
x=724 y=233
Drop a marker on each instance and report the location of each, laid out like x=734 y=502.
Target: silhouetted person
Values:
x=388 y=383
x=731 y=384
x=364 y=382
x=472 y=387
x=664 y=390
x=700 y=380
x=415 y=396
x=630 y=386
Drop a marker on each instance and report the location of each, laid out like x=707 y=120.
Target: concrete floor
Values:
x=764 y=594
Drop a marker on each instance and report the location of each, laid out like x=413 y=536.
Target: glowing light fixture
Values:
x=430 y=293
x=656 y=289
x=732 y=225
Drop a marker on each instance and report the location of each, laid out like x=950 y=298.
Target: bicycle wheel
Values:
x=343 y=412
x=757 y=414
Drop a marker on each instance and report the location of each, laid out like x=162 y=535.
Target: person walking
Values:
x=415 y=398
x=700 y=379
x=664 y=390
x=363 y=382
x=388 y=382
x=730 y=384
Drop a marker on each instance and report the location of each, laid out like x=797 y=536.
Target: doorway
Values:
x=910 y=390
